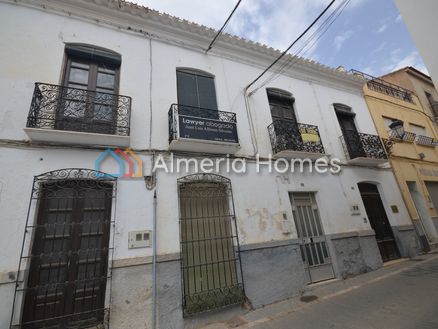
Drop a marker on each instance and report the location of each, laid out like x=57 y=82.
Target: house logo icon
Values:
x=129 y=163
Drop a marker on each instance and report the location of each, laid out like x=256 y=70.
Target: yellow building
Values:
x=413 y=154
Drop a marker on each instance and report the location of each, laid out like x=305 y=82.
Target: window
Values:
x=210 y=259
x=91 y=78
x=196 y=89
x=418 y=130
x=281 y=104
x=433 y=104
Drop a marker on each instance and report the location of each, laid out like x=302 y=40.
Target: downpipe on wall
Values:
x=250 y=121
x=151 y=184
x=154 y=263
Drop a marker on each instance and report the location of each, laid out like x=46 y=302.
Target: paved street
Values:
x=403 y=295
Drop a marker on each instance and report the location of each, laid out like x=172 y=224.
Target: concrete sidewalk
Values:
x=324 y=305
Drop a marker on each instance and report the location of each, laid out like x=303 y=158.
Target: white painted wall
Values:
x=258 y=198
x=34 y=40
x=420 y=18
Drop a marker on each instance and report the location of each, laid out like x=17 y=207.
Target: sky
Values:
x=369 y=35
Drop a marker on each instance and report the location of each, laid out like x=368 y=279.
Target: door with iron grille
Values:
x=67 y=278
x=379 y=221
x=210 y=260
x=314 y=249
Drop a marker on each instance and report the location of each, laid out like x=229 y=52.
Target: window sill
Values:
x=75 y=137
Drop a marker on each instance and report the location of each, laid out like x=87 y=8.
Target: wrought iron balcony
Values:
x=289 y=136
x=56 y=107
x=407 y=136
x=202 y=130
x=365 y=149
x=385 y=87
x=426 y=141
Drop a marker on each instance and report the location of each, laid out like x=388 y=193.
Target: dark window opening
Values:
x=287 y=132
x=433 y=104
x=282 y=105
x=350 y=134
x=196 y=94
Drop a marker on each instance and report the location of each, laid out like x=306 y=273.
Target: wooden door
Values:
x=88 y=101
x=379 y=221
x=68 y=264
x=351 y=135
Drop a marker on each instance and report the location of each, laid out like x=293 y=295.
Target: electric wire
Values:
x=321 y=30
x=291 y=45
x=223 y=27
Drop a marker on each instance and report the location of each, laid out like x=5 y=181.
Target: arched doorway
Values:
x=210 y=258
x=67 y=250
x=379 y=221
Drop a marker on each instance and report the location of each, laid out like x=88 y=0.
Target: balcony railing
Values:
x=72 y=109
x=287 y=135
x=194 y=123
x=385 y=87
x=407 y=137
x=426 y=141
x=359 y=145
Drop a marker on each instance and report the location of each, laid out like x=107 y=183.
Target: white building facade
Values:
x=81 y=246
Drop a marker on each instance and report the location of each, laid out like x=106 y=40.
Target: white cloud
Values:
x=382 y=28
x=275 y=24
x=341 y=38
x=396 y=62
x=398 y=19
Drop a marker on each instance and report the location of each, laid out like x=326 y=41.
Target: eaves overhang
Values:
x=145 y=21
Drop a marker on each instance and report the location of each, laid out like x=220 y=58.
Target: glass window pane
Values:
x=105 y=80
x=78 y=75
x=80 y=65
x=74 y=85
x=104 y=69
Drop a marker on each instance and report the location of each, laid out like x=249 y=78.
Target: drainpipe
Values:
x=154 y=263
x=250 y=121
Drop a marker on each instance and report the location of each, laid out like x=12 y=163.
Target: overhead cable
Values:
x=223 y=27
x=291 y=45
x=316 y=35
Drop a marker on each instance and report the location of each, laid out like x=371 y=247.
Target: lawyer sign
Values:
x=207 y=129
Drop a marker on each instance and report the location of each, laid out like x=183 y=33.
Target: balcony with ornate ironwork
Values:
x=363 y=149
x=194 y=129
x=384 y=87
x=408 y=137
x=295 y=140
x=426 y=141
x=78 y=116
